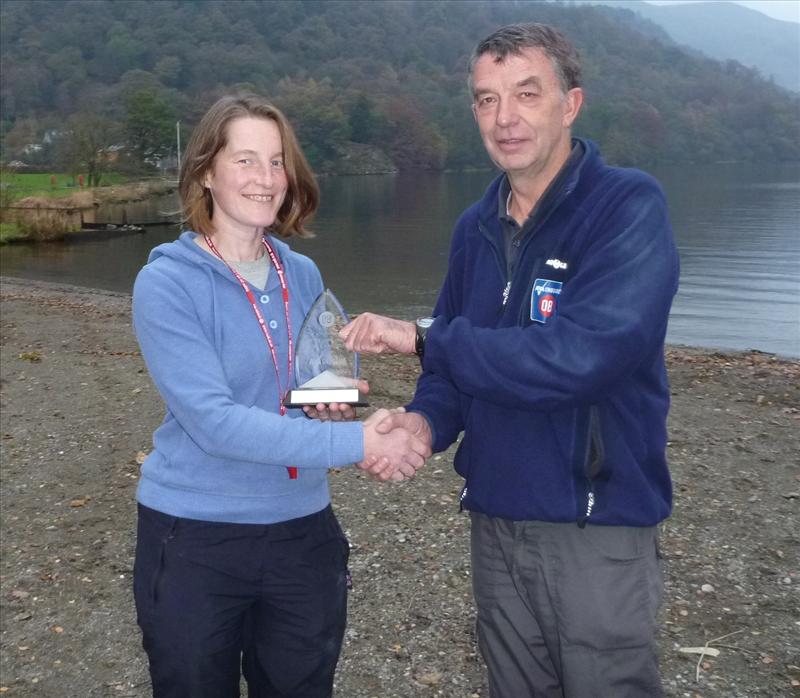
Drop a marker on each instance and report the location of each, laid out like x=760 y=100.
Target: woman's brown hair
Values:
x=210 y=136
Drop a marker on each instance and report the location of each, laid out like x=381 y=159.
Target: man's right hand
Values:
x=396 y=444
x=377 y=334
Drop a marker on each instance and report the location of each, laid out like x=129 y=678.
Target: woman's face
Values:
x=247 y=180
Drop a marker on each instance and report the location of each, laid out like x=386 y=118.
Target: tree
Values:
x=19 y=134
x=168 y=70
x=320 y=122
x=149 y=126
x=414 y=142
x=84 y=145
x=363 y=122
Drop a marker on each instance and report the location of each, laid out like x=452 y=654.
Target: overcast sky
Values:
x=787 y=10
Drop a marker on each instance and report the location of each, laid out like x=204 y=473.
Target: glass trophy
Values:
x=325 y=369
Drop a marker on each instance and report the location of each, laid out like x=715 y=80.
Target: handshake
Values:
x=396 y=442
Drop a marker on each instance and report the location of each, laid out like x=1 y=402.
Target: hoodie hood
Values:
x=185 y=249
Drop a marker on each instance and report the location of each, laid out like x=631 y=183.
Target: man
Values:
x=547 y=352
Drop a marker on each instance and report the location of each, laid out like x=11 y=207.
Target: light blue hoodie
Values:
x=222 y=450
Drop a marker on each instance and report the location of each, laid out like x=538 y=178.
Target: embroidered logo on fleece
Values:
x=544 y=299
x=556 y=264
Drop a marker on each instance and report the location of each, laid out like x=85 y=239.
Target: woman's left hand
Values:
x=336 y=411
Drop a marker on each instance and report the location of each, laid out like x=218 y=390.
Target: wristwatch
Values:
x=422 y=324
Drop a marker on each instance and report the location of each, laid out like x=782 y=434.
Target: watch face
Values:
x=424 y=322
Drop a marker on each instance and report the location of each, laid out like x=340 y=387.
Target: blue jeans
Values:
x=215 y=600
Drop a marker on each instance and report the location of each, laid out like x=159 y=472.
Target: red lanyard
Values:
x=263 y=325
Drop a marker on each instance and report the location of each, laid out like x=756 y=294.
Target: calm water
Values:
x=382 y=245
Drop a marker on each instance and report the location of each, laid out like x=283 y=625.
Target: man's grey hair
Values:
x=513 y=38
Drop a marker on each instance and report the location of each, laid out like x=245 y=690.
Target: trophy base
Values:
x=300 y=397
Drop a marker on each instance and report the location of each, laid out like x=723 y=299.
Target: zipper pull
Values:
x=589 y=506
x=506 y=292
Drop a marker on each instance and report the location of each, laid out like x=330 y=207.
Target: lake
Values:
x=382 y=244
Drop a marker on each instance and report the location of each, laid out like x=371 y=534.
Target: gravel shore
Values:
x=78 y=410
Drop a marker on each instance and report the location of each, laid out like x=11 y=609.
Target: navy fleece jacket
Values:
x=561 y=390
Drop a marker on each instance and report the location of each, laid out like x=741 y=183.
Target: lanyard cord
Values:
x=263 y=325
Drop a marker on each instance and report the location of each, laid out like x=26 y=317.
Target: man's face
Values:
x=523 y=115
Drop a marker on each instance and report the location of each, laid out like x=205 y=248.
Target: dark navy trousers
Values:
x=215 y=600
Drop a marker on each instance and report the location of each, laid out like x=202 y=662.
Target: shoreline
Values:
x=78 y=411
x=34 y=219
x=41 y=285
x=137 y=190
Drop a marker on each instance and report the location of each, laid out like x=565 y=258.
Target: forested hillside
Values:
x=387 y=75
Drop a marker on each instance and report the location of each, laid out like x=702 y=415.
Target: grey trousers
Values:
x=567 y=612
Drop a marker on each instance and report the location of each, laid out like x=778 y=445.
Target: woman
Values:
x=239 y=557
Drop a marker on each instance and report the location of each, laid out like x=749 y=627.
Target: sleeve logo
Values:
x=544 y=299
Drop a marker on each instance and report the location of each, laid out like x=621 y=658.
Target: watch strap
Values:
x=421 y=324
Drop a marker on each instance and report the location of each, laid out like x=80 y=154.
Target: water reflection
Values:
x=738 y=231
x=382 y=244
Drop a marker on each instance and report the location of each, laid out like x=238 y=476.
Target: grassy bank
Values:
x=16 y=185
x=10 y=232
x=51 y=211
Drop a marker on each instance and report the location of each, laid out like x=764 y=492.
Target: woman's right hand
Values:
x=336 y=411
x=395 y=454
